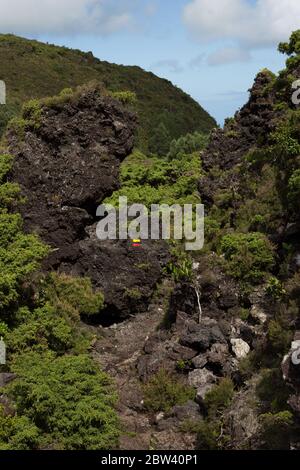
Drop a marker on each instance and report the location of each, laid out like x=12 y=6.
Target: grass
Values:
x=163 y=391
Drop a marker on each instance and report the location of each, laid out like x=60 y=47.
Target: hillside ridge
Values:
x=32 y=69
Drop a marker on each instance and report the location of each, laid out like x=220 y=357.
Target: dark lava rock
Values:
x=66 y=167
x=201 y=337
x=126 y=275
x=182 y=353
x=190 y=411
x=227 y=147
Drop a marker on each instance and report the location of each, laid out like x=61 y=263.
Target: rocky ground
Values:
x=199 y=351
x=119 y=350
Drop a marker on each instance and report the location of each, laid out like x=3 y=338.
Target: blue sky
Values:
x=212 y=49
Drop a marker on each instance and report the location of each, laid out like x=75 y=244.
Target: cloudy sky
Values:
x=210 y=48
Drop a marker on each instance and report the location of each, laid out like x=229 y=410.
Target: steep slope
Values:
x=64 y=159
x=34 y=70
x=241 y=353
x=67 y=154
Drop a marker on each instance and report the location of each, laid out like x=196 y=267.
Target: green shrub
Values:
x=42 y=329
x=68 y=399
x=65 y=96
x=20 y=256
x=219 y=398
x=275 y=289
x=18 y=126
x=6 y=161
x=32 y=113
x=291 y=47
x=66 y=93
x=163 y=391
x=17 y=433
x=210 y=436
x=7 y=113
x=248 y=256
x=276 y=430
x=180 y=268
x=125 y=97
x=76 y=293
x=279 y=336
x=272 y=391
x=133 y=294
x=159 y=142
x=156 y=181
x=250 y=364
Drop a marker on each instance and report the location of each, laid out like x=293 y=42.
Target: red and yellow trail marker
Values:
x=136 y=243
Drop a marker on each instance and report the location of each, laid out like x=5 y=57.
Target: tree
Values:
x=159 y=143
x=291 y=47
x=187 y=145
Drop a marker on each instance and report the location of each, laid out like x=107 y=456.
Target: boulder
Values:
x=199 y=361
x=180 y=352
x=190 y=411
x=204 y=381
x=199 y=377
x=258 y=314
x=240 y=348
x=218 y=355
x=201 y=336
x=183 y=299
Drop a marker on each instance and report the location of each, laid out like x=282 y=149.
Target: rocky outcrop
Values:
x=251 y=127
x=253 y=122
x=66 y=165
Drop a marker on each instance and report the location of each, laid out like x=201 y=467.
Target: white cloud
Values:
x=228 y=55
x=63 y=17
x=252 y=25
x=197 y=62
x=172 y=65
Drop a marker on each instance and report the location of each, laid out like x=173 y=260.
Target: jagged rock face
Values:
x=252 y=126
x=69 y=165
x=66 y=168
x=257 y=119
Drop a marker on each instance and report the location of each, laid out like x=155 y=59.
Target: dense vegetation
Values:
x=34 y=70
x=169 y=179
x=61 y=398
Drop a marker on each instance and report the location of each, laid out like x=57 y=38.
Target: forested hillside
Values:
x=32 y=69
